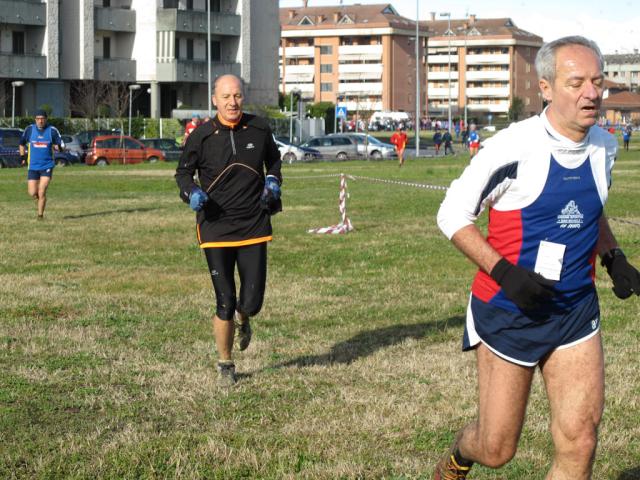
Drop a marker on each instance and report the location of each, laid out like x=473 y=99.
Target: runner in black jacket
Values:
x=233 y=201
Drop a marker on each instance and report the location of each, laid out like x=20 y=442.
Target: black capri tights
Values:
x=252 y=269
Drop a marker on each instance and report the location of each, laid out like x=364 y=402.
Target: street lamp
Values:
x=417 y=122
x=293 y=93
x=14 y=85
x=131 y=89
x=448 y=15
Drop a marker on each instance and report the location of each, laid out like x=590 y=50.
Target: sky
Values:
x=613 y=24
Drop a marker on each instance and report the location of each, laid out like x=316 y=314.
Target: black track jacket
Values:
x=231 y=164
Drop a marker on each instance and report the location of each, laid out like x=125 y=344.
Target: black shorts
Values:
x=252 y=270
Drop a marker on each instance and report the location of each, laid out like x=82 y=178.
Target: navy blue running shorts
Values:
x=36 y=174
x=523 y=340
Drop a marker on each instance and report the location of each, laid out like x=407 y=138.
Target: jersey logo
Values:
x=570 y=216
x=250 y=146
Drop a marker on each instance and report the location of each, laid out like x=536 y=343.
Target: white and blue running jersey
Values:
x=538 y=186
x=39 y=145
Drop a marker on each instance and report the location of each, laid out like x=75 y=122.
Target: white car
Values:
x=292 y=153
x=370 y=146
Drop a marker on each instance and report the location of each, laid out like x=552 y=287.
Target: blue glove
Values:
x=197 y=199
x=273 y=185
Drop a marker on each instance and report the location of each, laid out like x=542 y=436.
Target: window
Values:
x=106 y=3
x=189 y=48
x=326 y=49
x=131 y=144
x=11 y=139
x=528 y=84
x=18 y=43
x=106 y=47
x=314 y=143
x=214 y=5
x=326 y=68
x=326 y=87
x=216 y=51
x=527 y=67
x=177 y=48
x=189 y=4
x=305 y=21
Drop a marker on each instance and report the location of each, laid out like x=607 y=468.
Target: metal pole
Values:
x=291 y=116
x=417 y=122
x=13 y=106
x=449 y=61
x=466 y=31
x=335 y=117
x=209 y=55
x=130 y=102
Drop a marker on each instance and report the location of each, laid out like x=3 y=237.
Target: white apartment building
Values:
x=160 y=45
x=623 y=68
x=483 y=64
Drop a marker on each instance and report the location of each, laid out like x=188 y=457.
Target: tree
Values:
x=323 y=109
x=516 y=109
x=85 y=98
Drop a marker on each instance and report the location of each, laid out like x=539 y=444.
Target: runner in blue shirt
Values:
x=36 y=150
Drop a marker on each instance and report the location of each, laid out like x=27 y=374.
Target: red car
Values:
x=108 y=149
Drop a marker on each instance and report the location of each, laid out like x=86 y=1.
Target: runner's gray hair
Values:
x=215 y=82
x=546 y=57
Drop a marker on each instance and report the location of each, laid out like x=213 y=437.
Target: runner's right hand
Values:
x=197 y=199
x=528 y=290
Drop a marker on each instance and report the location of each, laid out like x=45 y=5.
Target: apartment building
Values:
x=624 y=68
x=362 y=56
x=160 y=45
x=482 y=64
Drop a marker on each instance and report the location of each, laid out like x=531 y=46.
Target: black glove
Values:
x=528 y=290
x=23 y=158
x=625 y=277
x=270 y=198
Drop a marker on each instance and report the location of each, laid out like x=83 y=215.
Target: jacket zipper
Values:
x=233 y=143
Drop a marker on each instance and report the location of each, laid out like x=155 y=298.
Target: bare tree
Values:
x=116 y=96
x=85 y=98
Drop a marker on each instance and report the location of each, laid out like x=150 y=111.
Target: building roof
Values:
x=343 y=16
x=622 y=100
x=613 y=85
x=503 y=27
x=622 y=59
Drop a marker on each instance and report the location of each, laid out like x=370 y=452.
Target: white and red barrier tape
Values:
x=345 y=225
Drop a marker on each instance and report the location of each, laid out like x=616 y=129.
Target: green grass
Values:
x=107 y=353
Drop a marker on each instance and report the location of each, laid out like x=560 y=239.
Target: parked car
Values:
x=66 y=158
x=293 y=153
x=9 y=152
x=340 y=147
x=85 y=137
x=108 y=149
x=370 y=146
x=73 y=144
x=168 y=146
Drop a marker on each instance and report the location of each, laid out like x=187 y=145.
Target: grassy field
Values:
x=355 y=370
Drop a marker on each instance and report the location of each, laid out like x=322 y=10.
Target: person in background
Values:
x=36 y=151
x=437 y=140
x=191 y=126
x=474 y=141
x=626 y=137
x=399 y=139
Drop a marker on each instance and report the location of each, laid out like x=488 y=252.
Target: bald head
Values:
x=228 y=97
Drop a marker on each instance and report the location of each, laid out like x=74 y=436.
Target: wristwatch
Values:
x=607 y=258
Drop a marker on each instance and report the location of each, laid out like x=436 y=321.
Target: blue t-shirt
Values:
x=39 y=145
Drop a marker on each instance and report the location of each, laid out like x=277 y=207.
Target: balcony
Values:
x=21 y=12
x=488 y=75
x=368 y=71
x=115 y=19
x=488 y=59
x=363 y=106
x=363 y=88
x=497 y=107
x=442 y=92
x=304 y=88
x=442 y=76
x=114 y=69
x=190 y=21
x=298 y=73
x=359 y=53
x=441 y=59
x=297 y=52
x=488 y=92
x=181 y=70
x=23 y=66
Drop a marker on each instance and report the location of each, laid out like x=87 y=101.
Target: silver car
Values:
x=370 y=146
x=339 y=147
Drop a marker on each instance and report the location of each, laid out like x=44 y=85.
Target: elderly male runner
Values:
x=545 y=181
x=36 y=151
x=234 y=201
